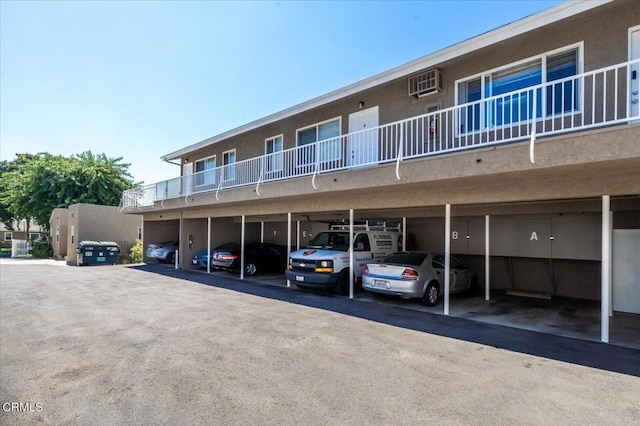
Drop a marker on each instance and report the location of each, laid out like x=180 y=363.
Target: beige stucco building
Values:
x=82 y=222
x=524 y=142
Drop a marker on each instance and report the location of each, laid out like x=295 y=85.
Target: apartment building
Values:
x=518 y=149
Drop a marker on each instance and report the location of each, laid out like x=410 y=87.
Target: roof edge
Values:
x=520 y=26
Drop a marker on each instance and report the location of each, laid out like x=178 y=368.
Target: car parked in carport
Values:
x=200 y=258
x=163 y=252
x=259 y=257
x=417 y=275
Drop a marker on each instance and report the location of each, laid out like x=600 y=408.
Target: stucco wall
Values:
x=59 y=231
x=99 y=223
x=603 y=32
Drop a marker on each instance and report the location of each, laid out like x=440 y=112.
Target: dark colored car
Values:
x=259 y=257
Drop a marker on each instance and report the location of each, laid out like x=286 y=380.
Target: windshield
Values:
x=330 y=241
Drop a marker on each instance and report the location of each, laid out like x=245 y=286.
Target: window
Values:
x=57 y=233
x=229 y=161
x=361 y=243
x=205 y=171
x=517 y=77
x=73 y=234
x=140 y=233
x=8 y=236
x=273 y=151
x=329 y=132
x=34 y=236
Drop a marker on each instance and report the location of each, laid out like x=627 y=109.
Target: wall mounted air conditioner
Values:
x=426 y=83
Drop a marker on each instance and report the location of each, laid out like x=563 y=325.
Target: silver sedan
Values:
x=417 y=275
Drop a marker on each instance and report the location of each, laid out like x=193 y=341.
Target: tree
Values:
x=34 y=185
x=6 y=216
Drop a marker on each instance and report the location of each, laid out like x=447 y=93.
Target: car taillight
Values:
x=409 y=274
x=229 y=257
x=366 y=270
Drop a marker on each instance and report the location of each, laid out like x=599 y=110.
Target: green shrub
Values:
x=136 y=252
x=124 y=259
x=42 y=250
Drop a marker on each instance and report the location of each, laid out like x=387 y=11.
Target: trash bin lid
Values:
x=97 y=243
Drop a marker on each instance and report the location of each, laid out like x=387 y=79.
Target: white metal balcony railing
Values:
x=593 y=99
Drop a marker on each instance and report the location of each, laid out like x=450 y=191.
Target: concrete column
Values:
x=208 y=245
x=351 y=262
x=298 y=235
x=288 y=242
x=487 y=293
x=177 y=262
x=606 y=269
x=242 y=249
x=404 y=234
x=447 y=255
x=262 y=232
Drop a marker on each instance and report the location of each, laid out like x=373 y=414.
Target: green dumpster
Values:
x=97 y=253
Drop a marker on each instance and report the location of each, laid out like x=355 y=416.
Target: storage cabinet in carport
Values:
x=97 y=253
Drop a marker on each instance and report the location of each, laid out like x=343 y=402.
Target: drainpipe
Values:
x=171 y=162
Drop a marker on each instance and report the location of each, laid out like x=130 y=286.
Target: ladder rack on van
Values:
x=384 y=227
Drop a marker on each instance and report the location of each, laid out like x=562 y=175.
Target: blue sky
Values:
x=141 y=79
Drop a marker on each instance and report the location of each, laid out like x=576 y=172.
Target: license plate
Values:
x=101 y=259
x=299 y=278
x=380 y=283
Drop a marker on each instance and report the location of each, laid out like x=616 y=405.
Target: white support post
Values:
x=404 y=234
x=288 y=242
x=606 y=269
x=180 y=243
x=610 y=263
x=447 y=255
x=351 y=268
x=487 y=292
x=242 y=249
x=208 y=245
x=298 y=235
x=262 y=232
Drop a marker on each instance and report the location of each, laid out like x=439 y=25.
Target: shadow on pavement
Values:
x=581 y=352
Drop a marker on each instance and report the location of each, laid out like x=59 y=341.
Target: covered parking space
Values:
x=538 y=263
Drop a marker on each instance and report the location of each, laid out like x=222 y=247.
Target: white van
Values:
x=325 y=261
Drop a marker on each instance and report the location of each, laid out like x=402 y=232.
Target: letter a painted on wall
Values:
x=534 y=236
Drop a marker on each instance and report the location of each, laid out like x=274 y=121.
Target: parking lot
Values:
x=150 y=345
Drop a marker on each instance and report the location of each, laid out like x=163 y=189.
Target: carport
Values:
x=540 y=252
x=160 y=228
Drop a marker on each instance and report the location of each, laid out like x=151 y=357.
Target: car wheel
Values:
x=171 y=258
x=430 y=297
x=342 y=288
x=250 y=269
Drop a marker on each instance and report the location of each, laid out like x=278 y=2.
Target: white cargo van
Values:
x=325 y=261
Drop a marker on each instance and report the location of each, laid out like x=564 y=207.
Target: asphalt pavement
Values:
x=146 y=344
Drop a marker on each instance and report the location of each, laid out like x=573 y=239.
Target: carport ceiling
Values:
x=542 y=207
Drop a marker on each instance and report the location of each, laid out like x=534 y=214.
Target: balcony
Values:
x=599 y=98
